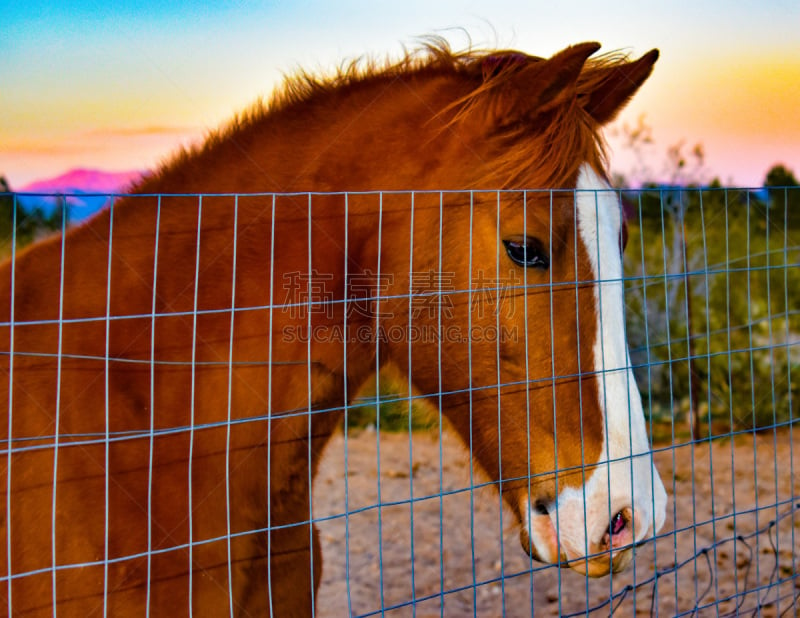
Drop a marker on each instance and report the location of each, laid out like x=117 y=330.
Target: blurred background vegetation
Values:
x=711 y=290
x=31 y=224
x=713 y=311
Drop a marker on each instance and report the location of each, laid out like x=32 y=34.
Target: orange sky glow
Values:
x=100 y=88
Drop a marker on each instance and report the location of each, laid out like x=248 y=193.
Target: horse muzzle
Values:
x=610 y=551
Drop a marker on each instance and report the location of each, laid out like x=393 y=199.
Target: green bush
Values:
x=730 y=293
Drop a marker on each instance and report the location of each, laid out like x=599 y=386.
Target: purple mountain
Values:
x=86 y=191
x=85 y=181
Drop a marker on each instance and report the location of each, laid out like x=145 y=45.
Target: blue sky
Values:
x=118 y=85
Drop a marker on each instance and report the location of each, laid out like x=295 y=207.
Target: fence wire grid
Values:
x=407 y=524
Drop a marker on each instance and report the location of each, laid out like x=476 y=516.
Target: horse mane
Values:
x=434 y=55
x=568 y=130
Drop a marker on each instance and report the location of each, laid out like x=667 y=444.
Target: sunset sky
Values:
x=118 y=85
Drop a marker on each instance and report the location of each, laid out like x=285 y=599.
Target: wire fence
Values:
x=406 y=524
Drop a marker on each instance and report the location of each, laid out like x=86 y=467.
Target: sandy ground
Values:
x=459 y=554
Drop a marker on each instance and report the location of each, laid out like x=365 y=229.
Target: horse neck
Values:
x=355 y=138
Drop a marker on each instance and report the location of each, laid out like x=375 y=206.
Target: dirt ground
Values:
x=459 y=554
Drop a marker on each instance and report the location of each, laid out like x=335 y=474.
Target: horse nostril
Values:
x=621 y=529
x=541 y=508
x=617 y=524
x=619 y=535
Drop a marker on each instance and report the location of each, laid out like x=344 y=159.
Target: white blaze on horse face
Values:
x=625 y=476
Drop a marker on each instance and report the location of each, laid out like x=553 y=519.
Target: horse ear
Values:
x=559 y=75
x=614 y=86
x=522 y=87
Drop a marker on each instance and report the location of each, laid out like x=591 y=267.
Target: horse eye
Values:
x=527 y=251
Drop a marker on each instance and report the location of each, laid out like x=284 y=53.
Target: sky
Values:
x=120 y=85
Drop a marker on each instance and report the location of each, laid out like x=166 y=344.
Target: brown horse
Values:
x=175 y=366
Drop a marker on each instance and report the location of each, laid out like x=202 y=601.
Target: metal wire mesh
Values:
x=407 y=525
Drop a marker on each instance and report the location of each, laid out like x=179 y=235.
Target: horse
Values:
x=175 y=365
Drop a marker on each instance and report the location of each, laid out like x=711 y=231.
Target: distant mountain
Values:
x=85 y=181
x=86 y=191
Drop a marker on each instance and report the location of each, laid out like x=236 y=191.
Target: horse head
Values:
x=542 y=389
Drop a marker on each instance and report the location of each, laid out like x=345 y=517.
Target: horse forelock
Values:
x=548 y=155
